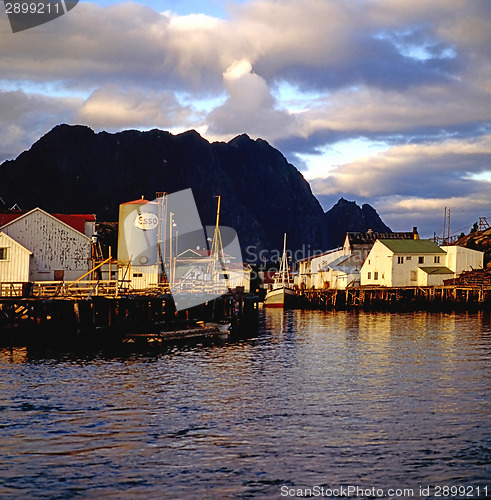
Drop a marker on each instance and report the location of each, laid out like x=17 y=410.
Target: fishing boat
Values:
x=281 y=293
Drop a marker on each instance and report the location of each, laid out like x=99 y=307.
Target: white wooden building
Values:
x=342 y=273
x=138 y=277
x=399 y=263
x=340 y=268
x=58 y=251
x=14 y=260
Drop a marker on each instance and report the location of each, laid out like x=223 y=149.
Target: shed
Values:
x=14 y=260
x=434 y=275
x=59 y=252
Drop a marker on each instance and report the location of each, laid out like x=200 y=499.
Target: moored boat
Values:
x=281 y=293
x=281 y=297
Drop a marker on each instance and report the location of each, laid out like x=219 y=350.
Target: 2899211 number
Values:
x=460 y=491
x=32 y=7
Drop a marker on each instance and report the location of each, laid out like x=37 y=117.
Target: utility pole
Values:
x=444 y=221
x=448 y=227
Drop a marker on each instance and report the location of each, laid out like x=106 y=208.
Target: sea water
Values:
x=326 y=404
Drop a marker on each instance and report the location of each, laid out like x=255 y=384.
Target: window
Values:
x=137 y=275
x=369 y=275
x=375 y=275
x=400 y=260
x=3 y=253
x=437 y=260
x=408 y=258
x=421 y=260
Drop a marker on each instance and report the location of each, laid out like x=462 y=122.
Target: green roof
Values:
x=437 y=270
x=412 y=246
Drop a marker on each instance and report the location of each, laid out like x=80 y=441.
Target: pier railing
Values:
x=74 y=288
x=59 y=289
x=12 y=289
x=89 y=288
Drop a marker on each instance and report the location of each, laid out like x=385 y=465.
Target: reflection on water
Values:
x=319 y=398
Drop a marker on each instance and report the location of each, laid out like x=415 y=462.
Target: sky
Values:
x=386 y=102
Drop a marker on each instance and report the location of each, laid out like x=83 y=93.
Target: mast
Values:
x=161 y=234
x=284 y=272
x=216 y=252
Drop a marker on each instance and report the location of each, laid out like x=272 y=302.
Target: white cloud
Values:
x=413 y=74
x=250 y=108
x=111 y=107
x=438 y=168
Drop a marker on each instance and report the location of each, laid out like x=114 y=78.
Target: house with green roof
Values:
x=398 y=263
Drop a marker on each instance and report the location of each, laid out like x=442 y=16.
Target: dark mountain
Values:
x=72 y=169
x=346 y=216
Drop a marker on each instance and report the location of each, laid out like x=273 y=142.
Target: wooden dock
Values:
x=110 y=321
x=399 y=299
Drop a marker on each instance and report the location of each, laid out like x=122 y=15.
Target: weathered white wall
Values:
x=238 y=276
x=463 y=259
x=379 y=261
x=16 y=266
x=54 y=246
x=408 y=273
x=304 y=274
x=425 y=279
x=140 y=277
x=323 y=260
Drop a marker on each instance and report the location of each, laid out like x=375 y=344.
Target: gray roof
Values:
x=437 y=270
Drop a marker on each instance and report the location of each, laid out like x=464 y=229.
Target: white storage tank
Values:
x=138 y=232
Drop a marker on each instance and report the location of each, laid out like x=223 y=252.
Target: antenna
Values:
x=448 y=227
x=444 y=221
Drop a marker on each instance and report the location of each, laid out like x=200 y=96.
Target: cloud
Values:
x=24 y=118
x=113 y=108
x=250 y=107
x=415 y=75
x=436 y=168
x=417 y=181
x=126 y=43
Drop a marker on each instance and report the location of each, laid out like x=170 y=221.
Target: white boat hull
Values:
x=280 y=297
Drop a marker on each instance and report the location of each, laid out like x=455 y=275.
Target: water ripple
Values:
x=327 y=399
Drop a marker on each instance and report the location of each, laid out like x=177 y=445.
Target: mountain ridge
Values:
x=74 y=169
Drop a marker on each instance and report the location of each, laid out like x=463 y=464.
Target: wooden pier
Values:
x=399 y=299
x=110 y=321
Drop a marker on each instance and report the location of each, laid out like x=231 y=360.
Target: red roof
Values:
x=6 y=218
x=75 y=221
x=140 y=201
